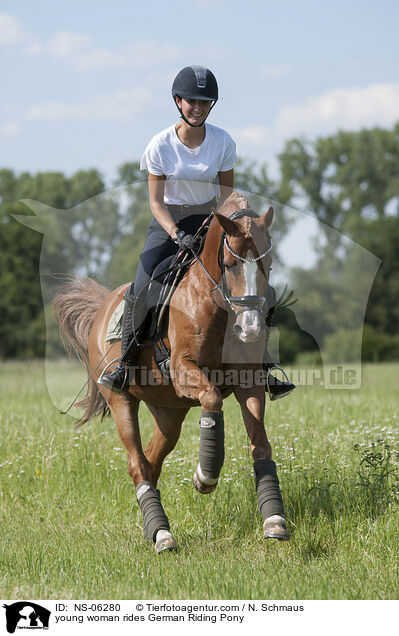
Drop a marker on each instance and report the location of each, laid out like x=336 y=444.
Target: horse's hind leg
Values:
x=125 y=409
x=156 y=526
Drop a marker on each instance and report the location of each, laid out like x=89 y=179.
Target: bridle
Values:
x=248 y=302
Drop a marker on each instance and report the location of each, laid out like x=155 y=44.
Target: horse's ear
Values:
x=268 y=217
x=229 y=227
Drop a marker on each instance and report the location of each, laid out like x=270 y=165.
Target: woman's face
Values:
x=194 y=110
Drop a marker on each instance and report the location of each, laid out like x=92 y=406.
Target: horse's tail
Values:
x=75 y=306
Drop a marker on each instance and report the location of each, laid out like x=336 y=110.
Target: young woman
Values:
x=188 y=165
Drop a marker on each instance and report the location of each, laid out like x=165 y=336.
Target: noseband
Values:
x=246 y=302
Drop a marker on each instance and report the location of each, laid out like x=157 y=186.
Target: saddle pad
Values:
x=114 y=329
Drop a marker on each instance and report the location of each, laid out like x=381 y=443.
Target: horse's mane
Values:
x=235 y=201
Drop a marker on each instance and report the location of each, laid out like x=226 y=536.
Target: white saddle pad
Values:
x=114 y=330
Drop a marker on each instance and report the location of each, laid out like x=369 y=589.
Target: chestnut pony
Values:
x=215 y=328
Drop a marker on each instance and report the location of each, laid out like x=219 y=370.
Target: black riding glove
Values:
x=186 y=241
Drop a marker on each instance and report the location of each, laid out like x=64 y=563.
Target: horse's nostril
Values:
x=237 y=330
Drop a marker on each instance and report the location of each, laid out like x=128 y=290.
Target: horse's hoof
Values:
x=274 y=528
x=164 y=541
x=203 y=489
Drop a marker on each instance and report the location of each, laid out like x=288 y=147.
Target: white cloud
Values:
x=78 y=50
x=143 y=54
x=120 y=107
x=256 y=135
x=347 y=109
x=9 y=129
x=11 y=31
x=66 y=44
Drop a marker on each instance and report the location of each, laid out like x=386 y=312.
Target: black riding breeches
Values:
x=159 y=245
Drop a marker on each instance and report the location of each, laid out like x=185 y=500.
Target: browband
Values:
x=238 y=214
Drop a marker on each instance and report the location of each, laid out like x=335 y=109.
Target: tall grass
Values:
x=71 y=527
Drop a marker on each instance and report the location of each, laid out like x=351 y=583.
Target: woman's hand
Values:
x=186 y=241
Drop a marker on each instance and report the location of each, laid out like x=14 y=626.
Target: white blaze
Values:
x=250 y=270
x=249 y=320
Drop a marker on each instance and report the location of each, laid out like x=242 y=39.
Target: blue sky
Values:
x=87 y=84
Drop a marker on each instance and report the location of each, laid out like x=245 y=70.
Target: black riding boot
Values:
x=275 y=387
x=118 y=380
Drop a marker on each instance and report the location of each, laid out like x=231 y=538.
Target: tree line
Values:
x=349 y=182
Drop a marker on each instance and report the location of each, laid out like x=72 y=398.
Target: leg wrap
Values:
x=267 y=488
x=154 y=517
x=211 y=453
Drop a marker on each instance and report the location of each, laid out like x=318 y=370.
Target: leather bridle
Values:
x=248 y=302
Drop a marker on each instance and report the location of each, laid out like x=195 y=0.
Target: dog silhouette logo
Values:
x=26 y=615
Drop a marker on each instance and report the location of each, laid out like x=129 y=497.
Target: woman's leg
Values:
x=158 y=246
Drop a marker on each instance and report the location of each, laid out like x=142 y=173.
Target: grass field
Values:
x=71 y=527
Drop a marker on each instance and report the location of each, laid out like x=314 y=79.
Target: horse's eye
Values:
x=230 y=265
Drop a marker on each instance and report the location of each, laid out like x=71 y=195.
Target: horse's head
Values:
x=245 y=261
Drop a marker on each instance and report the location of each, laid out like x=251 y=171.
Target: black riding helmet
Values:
x=195 y=82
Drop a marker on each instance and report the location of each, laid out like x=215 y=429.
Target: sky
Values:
x=87 y=84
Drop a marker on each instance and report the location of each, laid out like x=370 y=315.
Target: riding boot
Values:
x=118 y=380
x=275 y=387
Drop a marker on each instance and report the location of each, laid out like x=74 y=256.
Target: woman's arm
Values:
x=156 y=186
x=226 y=181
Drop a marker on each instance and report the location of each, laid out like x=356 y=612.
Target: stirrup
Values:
x=103 y=372
x=270 y=367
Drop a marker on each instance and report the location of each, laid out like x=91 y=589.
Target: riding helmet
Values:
x=195 y=82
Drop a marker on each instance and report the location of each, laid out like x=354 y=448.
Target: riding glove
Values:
x=186 y=241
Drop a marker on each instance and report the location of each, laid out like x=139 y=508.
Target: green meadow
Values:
x=71 y=526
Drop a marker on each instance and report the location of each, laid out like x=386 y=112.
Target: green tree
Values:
x=22 y=332
x=21 y=306
x=350 y=181
x=344 y=178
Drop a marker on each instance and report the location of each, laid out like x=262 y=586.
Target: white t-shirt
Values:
x=191 y=174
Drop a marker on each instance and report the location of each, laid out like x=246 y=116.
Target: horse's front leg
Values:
x=189 y=380
x=252 y=403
